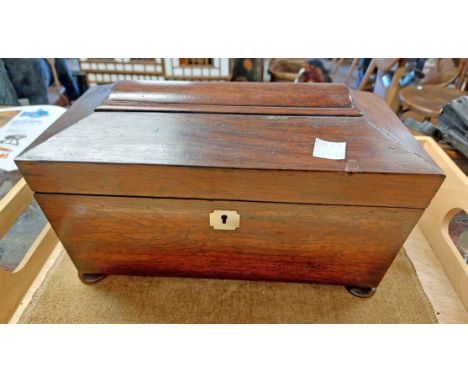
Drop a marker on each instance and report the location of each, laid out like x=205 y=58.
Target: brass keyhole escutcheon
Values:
x=224 y=220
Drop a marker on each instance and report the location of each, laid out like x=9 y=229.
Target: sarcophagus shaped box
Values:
x=292 y=182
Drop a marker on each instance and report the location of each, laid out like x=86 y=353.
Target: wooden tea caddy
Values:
x=219 y=180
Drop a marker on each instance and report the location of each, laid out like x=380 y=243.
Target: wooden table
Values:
x=428 y=100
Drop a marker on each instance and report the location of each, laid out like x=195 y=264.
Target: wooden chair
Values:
x=335 y=64
x=462 y=80
x=446 y=73
x=427 y=99
x=351 y=70
x=56 y=92
x=383 y=66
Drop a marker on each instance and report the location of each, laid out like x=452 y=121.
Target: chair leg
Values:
x=370 y=69
x=351 y=69
x=332 y=65
x=338 y=64
x=392 y=93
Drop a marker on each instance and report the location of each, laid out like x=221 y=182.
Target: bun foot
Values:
x=90 y=278
x=361 y=292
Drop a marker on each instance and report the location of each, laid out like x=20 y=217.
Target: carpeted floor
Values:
x=62 y=298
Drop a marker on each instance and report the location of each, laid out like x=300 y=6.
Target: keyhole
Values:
x=224 y=218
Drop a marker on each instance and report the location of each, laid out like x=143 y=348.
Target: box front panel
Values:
x=273 y=241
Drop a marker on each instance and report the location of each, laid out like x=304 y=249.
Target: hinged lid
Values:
x=234 y=141
x=231 y=97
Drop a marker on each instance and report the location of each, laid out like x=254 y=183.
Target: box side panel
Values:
x=392 y=190
x=149 y=236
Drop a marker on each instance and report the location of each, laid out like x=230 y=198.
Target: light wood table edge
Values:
x=36 y=283
x=451 y=198
x=435 y=283
x=14 y=285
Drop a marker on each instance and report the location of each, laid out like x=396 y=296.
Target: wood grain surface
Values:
x=379 y=114
x=232 y=94
x=239 y=157
x=130 y=192
x=149 y=236
x=234 y=97
x=80 y=109
x=229 y=141
x=412 y=191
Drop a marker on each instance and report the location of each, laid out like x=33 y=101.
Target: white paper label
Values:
x=329 y=150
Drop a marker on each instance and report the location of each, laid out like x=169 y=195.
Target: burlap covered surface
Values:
x=62 y=298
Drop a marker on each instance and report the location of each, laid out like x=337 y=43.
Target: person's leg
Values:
x=8 y=95
x=66 y=79
x=420 y=64
x=362 y=68
x=30 y=78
